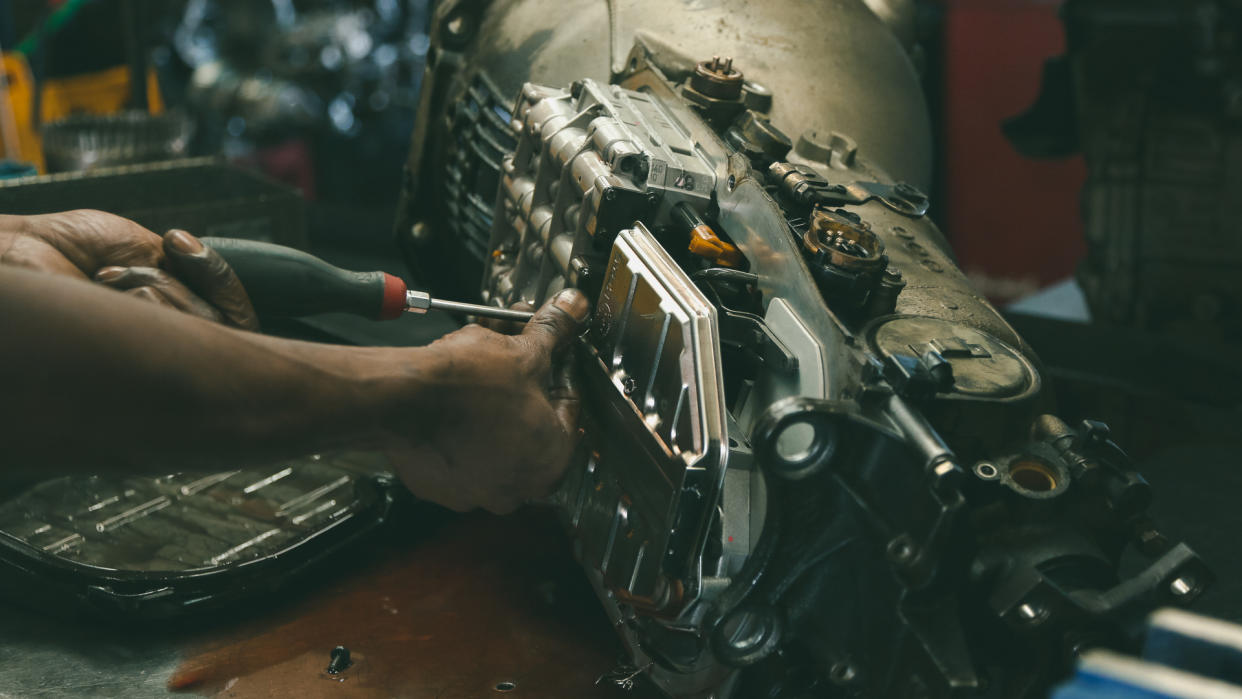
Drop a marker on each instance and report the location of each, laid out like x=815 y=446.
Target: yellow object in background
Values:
x=103 y=92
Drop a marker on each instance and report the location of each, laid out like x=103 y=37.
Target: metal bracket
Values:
x=752 y=329
x=809 y=187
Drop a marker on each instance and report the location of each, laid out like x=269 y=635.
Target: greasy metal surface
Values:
x=449 y=614
x=983 y=367
x=863 y=85
x=860 y=93
x=184 y=522
x=658 y=350
x=901 y=16
x=587 y=162
x=758 y=227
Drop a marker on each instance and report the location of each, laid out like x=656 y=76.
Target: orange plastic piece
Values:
x=20 y=140
x=103 y=92
x=705 y=243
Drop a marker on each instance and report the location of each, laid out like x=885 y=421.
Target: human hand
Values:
x=176 y=271
x=499 y=421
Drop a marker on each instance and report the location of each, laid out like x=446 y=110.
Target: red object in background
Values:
x=1014 y=222
x=289 y=162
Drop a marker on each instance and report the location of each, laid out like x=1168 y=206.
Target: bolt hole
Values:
x=732 y=443
x=745 y=631
x=506 y=686
x=634 y=63
x=986 y=471
x=732 y=182
x=1034 y=476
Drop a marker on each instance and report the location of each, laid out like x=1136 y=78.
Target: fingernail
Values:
x=574 y=303
x=108 y=274
x=184 y=242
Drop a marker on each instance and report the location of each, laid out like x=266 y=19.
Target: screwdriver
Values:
x=283 y=282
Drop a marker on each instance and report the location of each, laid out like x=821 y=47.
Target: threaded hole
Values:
x=1034 y=476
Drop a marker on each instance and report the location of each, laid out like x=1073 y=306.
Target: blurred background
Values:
x=319 y=95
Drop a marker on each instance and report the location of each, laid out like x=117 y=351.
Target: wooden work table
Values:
x=460 y=608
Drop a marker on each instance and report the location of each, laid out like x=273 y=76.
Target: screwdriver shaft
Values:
x=475 y=309
x=421 y=302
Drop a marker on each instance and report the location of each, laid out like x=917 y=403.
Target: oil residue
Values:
x=487 y=606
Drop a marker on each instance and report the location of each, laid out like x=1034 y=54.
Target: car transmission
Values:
x=814 y=461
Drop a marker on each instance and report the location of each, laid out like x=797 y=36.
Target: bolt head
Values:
x=1184 y=586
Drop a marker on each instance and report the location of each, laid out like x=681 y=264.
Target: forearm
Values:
x=95 y=379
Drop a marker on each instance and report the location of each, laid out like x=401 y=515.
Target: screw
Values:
x=901 y=549
x=420 y=232
x=1183 y=586
x=1032 y=613
x=340 y=660
x=581 y=271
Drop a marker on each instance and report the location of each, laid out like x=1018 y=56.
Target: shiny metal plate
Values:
x=641 y=503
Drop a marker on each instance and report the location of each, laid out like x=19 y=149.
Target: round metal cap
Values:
x=983 y=366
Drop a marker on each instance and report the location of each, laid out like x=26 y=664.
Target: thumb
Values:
x=558 y=320
x=207 y=274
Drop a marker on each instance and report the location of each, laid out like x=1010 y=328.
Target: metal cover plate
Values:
x=659 y=432
x=654 y=330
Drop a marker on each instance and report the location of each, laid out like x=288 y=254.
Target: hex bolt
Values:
x=579 y=269
x=629 y=385
x=901 y=550
x=340 y=660
x=1183 y=586
x=1032 y=613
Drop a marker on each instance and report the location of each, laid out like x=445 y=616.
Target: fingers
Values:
x=158 y=286
x=559 y=320
x=205 y=272
x=507 y=327
x=150 y=295
x=95 y=239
